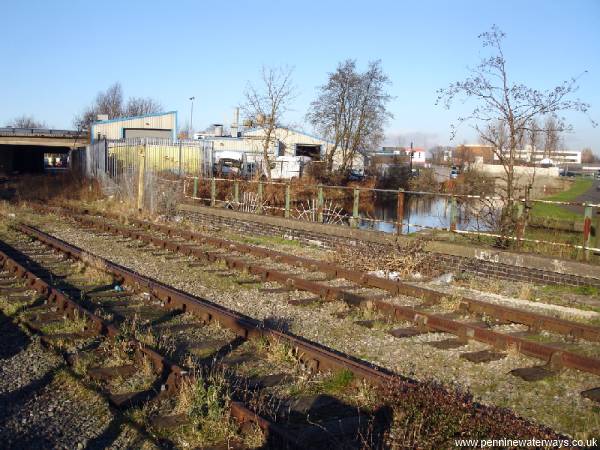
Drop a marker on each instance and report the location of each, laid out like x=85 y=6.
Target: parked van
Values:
x=288 y=167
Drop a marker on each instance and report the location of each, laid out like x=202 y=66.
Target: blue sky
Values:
x=56 y=55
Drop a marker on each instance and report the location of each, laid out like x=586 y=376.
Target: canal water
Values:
x=420 y=212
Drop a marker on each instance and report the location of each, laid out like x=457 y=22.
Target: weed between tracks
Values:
x=161 y=341
x=427 y=416
x=76 y=324
x=283 y=358
x=205 y=399
x=12 y=307
x=203 y=402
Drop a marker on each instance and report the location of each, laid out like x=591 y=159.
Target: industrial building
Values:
x=285 y=142
x=157 y=125
x=529 y=154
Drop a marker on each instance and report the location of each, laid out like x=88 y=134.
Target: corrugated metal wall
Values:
x=121 y=158
x=113 y=129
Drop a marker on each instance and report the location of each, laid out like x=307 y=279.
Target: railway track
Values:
x=113 y=332
x=565 y=344
x=270 y=374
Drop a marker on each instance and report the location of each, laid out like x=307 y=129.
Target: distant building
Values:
x=533 y=155
x=396 y=161
x=159 y=125
x=419 y=155
x=285 y=142
x=468 y=154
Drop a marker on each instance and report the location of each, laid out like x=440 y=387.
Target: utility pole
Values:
x=191 y=118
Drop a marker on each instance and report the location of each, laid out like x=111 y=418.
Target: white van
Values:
x=288 y=167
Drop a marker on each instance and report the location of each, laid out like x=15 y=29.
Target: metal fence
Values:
x=403 y=212
x=118 y=159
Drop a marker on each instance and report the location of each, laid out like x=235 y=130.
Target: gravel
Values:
x=554 y=401
x=42 y=405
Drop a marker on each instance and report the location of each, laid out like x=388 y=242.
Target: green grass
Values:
x=338 y=381
x=580 y=290
x=547 y=211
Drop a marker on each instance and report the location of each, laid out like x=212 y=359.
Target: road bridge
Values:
x=22 y=150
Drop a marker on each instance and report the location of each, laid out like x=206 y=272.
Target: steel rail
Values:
x=315 y=356
x=535 y=321
x=172 y=374
x=429 y=321
x=396 y=287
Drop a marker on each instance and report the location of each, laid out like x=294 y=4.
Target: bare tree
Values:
x=184 y=131
x=111 y=103
x=138 y=106
x=266 y=104
x=504 y=112
x=588 y=156
x=437 y=154
x=350 y=111
x=552 y=138
x=26 y=121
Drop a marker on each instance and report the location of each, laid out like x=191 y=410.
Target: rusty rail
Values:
x=173 y=374
x=316 y=356
x=504 y=313
x=551 y=355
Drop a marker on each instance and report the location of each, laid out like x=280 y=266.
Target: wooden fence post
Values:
x=213 y=191
x=195 y=193
x=320 y=217
x=597 y=229
x=180 y=154
x=587 y=232
x=400 y=212
x=355 y=207
x=287 y=200
x=453 y=214
x=259 y=198
x=236 y=193
x=520 y=225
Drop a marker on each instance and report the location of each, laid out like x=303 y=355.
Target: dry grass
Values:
x=141 y=380
x=163 y=341
x=406 y=259
x=450 y=303
x=75 y=325
x=44 y=188
x=526 y=292
x=279 y=351
x=205 y=398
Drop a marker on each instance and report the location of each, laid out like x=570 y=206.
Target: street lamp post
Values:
x=191 y=118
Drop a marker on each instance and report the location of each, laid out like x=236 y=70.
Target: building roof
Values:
x=120 y=119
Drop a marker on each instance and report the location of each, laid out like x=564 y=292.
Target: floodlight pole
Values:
x=191 y=118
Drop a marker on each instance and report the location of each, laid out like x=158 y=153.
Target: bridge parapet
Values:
x=43 y=137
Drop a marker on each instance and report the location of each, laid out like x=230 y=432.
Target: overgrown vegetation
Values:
x=64 y=186
x=406 y=260
x=205 y=399
x=428 y=416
